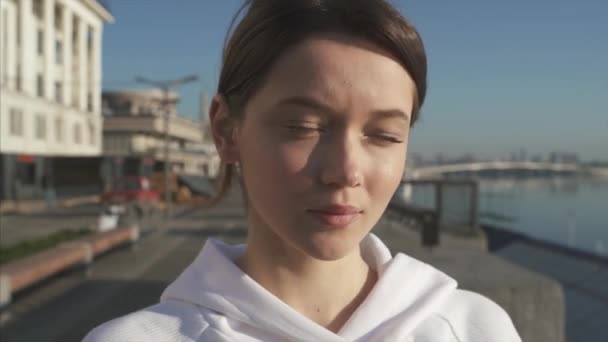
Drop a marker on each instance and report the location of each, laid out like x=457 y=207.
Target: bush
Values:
x=27 y=248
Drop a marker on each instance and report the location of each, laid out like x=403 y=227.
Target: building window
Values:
x=90 y=102
x=106 y=108
x=16 y=122
x=77 y=133
x=75 y=95
x=4 y=46
x=37 y=8
x=75 y=44
x=58 y=17
x=40 y=127
x=89 y=39
x=125 y=107
x=26 y=170
x=58 y=92
x=92 y=134
x=40 y=85
x=58 y=129
x=40 y=42
x=18 y=78
x=58 y=52
x=18 y=30
x=135 y=109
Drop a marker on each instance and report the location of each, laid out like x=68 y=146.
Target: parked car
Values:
x=133 y=194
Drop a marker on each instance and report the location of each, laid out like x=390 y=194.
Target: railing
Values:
x=438 y=204
x=499 y=169
x=426 y=218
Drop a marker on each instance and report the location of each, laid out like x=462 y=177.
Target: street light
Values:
x=166 y=87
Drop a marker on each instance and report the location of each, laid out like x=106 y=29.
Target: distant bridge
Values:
x=506 y=168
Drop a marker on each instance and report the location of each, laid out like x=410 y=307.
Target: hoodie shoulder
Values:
x=476 y=318
x=167 y=321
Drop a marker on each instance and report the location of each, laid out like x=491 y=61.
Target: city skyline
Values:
x=520 y=155
x=501 y=75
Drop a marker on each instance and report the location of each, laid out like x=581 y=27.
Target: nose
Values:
x=342 y=161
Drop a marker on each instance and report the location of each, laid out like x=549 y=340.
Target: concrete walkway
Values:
x=66 y=307
x=15 y=228
x=585 y=284
x=534 y=302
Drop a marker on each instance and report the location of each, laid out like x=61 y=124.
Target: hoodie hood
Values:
x=406 y=293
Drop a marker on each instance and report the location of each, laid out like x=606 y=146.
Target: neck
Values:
x=327 y=292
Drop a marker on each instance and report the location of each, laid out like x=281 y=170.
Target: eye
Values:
x=300 y=128
x=386 y=138
x=303 y=131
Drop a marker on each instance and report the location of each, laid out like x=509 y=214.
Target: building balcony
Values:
x=179 y=128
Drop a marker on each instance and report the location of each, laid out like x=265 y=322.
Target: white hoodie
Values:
x=213 y=300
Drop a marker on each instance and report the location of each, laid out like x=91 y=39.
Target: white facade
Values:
x=134 y=126
x=50 y=77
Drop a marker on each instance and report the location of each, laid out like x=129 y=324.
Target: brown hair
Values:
x=269 y=27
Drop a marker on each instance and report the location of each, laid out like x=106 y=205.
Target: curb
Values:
x=20 y=274
x=27 y=207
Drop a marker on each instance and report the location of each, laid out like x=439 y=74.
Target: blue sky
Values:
x=503 y=75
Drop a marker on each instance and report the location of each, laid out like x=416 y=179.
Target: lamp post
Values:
x=166 y=87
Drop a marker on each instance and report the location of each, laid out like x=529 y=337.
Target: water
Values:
x=568 y=211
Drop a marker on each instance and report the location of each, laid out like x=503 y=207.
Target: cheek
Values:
x=274 y=167
x=385 y=175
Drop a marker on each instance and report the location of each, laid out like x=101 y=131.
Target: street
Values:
x=16 y=228
x=66 y=307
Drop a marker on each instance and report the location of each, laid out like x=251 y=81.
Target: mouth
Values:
x=336 y=216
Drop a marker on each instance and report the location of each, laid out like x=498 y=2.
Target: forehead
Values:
x=341 y=71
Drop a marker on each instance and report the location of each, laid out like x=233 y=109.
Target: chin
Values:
x=329 y=246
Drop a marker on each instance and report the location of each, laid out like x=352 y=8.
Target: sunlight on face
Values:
x=329 y=126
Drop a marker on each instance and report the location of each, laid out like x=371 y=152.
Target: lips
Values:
x=336 y=215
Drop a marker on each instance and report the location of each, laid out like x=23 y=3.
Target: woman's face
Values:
x=325 y=135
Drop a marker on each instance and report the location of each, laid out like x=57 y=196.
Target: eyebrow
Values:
x=309 y=102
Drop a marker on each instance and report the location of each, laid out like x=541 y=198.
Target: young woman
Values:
x=313 y=111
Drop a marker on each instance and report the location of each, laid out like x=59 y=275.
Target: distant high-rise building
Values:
x=467 y=158
x=537 y=158
x=564 y=157
x=523 y=155
x=553 y=157
x=439 y=158
x=415 y=159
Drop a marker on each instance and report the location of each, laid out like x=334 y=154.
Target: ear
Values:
x=223 y=130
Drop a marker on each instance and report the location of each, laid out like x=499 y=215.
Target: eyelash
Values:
x=304 y=129
x=390 y=139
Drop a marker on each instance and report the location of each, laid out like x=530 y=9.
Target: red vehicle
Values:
x=130 y=189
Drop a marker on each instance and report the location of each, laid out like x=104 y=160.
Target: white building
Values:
x=134 y=136
x=50 y=88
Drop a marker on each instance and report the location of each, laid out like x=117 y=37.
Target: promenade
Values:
x=66 y=307
x=583 y=279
